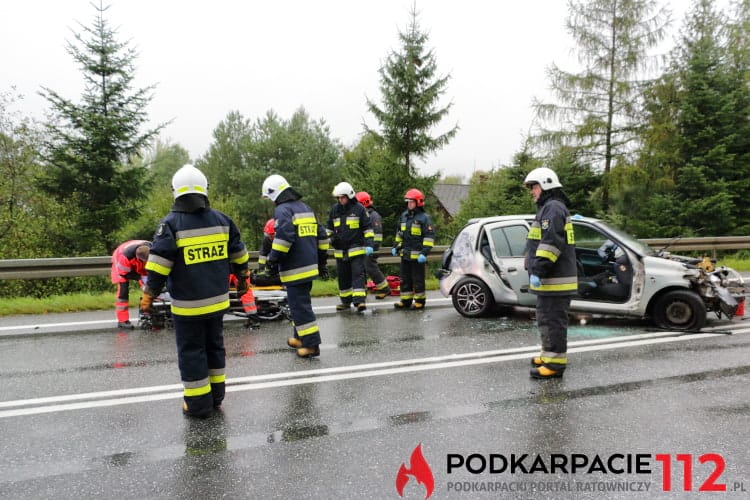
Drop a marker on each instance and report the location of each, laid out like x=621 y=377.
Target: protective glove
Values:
x=323 y=273
x=147 y=303
x=394 y=251
x=535 y=281
x=368 y=250
x=422 y=258
x=242 y=285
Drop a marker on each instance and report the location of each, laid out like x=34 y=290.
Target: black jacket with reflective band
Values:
x=194 y=252
x=550 y=248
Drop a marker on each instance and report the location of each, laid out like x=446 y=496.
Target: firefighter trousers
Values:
x=373 y=271
x=552 y=321
x=303 y=317
x=202 y=361
x=351 y=276
x=412 y=282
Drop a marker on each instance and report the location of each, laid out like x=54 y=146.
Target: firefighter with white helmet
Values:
x=194 y=249
x=551 y=264
x=298 y=243
x=351 y=236
x=415 y=237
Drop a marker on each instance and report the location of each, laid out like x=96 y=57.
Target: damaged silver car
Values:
x=484 y=269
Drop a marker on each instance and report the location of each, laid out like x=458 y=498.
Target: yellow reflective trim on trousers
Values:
x=559 y=361
x=197 y=311
x=535 y=233
x=217 y=379
x=197 y=391
x=308 y=331
x=546 y=255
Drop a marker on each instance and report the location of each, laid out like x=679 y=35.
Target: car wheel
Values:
x=472 y=298
x=680 y=310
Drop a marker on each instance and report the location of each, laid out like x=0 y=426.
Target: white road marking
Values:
x=164 y=392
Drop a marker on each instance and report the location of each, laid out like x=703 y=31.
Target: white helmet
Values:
x=344 y=189
x=189 y=179
x=545 y=177
x=273 y=186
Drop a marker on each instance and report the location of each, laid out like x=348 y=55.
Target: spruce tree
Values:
x=410 y=109
x=90 y=144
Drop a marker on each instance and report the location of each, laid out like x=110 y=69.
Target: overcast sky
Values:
x=208 y=58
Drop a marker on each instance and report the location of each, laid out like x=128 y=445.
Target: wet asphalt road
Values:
x=90 y=412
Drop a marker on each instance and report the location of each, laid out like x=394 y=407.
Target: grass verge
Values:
x=102 y=301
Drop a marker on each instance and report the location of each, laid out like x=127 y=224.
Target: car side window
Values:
x=509 y=241
x=588 y=237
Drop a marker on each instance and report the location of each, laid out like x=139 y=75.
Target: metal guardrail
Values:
x=67 y=267
x=100 y=266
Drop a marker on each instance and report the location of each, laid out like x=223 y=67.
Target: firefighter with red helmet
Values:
x=415 y=237
x=128 y=263
x=195 y=247
x=351 y=236
x=382 y=290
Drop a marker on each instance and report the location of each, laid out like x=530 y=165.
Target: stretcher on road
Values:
x=271 y=303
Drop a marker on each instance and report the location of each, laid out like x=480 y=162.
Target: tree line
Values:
x=660 y=147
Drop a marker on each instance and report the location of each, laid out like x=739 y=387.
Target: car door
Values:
x=506 y=243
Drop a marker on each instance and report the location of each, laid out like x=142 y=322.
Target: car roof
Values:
x=501 y=218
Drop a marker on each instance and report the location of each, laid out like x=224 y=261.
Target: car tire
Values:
x=472 y=298
x=681 y=310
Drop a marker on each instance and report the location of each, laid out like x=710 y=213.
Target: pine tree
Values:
x=411 y=92
x=598 y=107
x=91 y=143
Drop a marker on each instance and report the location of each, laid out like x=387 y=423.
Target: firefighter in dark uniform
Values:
x=352 y=239
x=296 y=250
x=194 y=250
x=382 y=289
x=415 y=238
x=551 y=264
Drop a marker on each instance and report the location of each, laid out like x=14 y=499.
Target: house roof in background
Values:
x=450 y=196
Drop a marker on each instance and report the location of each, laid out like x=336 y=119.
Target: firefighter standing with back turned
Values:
x=298 y=248
x=551 y=264
x=415 y=238
x=195 y=248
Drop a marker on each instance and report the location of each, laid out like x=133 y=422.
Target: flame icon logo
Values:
x=420 y=469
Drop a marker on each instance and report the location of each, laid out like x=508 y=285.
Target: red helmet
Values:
x=416 y=195
x=364 y=198
x=270 y=228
